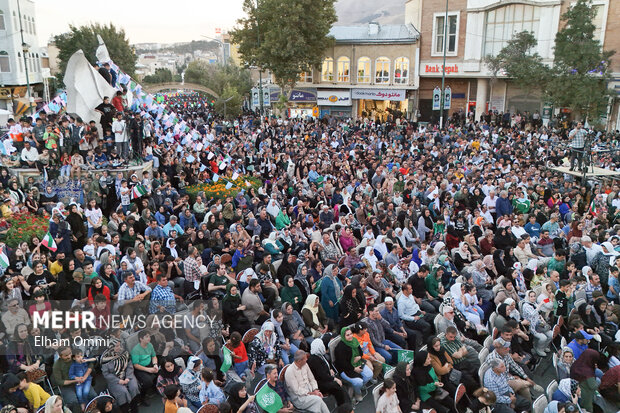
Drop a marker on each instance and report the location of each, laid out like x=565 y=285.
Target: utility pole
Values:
x=443 y=67
x=24 y=51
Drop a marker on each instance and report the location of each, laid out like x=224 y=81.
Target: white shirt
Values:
x=94 y=214
x=31 y=155
x=490 y=203
x=118 y=127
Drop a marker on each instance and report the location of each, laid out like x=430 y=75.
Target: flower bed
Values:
x=24 y=226
x=218 y=189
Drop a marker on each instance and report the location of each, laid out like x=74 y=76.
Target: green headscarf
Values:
x=355 y=347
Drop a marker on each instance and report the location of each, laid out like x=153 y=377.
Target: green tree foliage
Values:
x=523 y=67
x=580 y=73
x=161 y=75
x=85 y=38
x=228 y=81
x=581 y=67
x=293 y=36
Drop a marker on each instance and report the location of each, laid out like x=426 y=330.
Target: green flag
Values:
x=227 y=362
x=386 y=368
x=405 y=355
x=268 y=399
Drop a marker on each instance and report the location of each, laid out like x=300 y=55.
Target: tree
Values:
x=580 y=73
x=228 y=81
x=161 y=75
x=524 y=68
x=581 y=66
x=85 y=38
x=285 y=37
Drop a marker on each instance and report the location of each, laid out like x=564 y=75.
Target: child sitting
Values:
x=239 y=355
x=80 y=371
x=33 y=392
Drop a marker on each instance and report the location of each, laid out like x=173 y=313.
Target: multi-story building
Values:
x=17 y=58
x=369 y=71
x=480 y=28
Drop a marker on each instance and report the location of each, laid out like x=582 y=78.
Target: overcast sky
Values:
x=159 y=21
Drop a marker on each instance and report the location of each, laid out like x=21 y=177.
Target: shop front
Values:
x=461 y=97
x=377 y=104
x=334 y=103
x=301 y=102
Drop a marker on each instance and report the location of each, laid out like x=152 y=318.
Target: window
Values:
x=305 y=77
x=503 y=23
x=344 y=66
x=598 y=20
x=327 y=71
x=5 y=63
x=2 y=24
x=401 y=71
x=363 y=70
x=34 y=27
x=439 y=39
x=15 y=21
x=20 y=62
x=382 y=70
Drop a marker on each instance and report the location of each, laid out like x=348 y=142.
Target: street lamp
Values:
x=25 y=49
x=225 y=101
x=220 y=43
x=260 y=69
x=443 y=67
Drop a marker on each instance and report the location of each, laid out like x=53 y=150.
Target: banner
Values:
x=379 y=94
x=268 y=399
x=405 y=355
x=447 y=97
x=334 y=97
x=227 y=361
x=436 y=98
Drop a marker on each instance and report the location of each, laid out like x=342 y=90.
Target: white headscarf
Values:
x=189 y=376
x=371 y=258
x=381 y=246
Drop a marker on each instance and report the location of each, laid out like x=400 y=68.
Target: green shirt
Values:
x=555 y=265
x=141 y=355
x=427 y=389
x=432 y=285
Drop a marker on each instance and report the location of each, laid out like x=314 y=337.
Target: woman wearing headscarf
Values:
x=406 y=390
x=171 y=248
x=232 y=310
x=452 y=238
x=264 y=349
x=462 y=256
x=11 y=395
x=349 y=306
x=239 y=400
x=369 y=258
x=565 y=361
x=55 y=405
x=538 y=329
x=425 y=225
x=498 y=260
x=168 y=374
x=293 y=325
x=324 y=375
x=290 y=293
x=190 y=381
x=428 y=383
x=314 y=316
x=583 y=370
x=380 y=246
x=442 y=364
x=78 y=229
x=288 y=348
x=20 y=355
x=568 y=391
x=503 y=238
x=118 y=372
x=489 y=266
x=331 y=292
x=301 y=280
x=349 y=362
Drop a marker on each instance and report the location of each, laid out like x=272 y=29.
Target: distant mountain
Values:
x=352 y=12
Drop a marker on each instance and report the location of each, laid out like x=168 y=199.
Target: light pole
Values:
x=24 y=51
x=443 y=67
x=260 y=69
x=220 y=43
x=225 y=101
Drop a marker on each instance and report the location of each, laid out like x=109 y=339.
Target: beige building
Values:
x=370 y=71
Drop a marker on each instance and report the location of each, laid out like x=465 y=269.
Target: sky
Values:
x=153 y=21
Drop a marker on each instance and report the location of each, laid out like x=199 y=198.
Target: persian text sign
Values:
x=379 y=94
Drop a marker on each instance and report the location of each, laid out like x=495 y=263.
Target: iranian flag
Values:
x=49 y=242
x=592 y=209
x=138 y=191
x=4 y=260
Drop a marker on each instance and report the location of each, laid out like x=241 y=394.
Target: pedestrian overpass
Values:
x=159 y=87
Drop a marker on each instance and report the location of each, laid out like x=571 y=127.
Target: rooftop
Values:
x=375 y=33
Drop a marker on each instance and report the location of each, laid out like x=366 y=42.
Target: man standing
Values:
x=106 y=109
x=120 y=137
x=191 y=268
x=302 y=387
x=577 y=144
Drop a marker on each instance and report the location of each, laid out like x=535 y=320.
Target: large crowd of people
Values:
x=393 y=259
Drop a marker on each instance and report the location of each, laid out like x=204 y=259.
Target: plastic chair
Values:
x=376 y=393
x=551 y=388
x=249 y=335
x=483 y=369
x=482 y=356
x=458 y=395
x=540 y=404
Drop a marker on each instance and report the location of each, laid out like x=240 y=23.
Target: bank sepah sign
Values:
x=380 y=94
x=333 y=97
